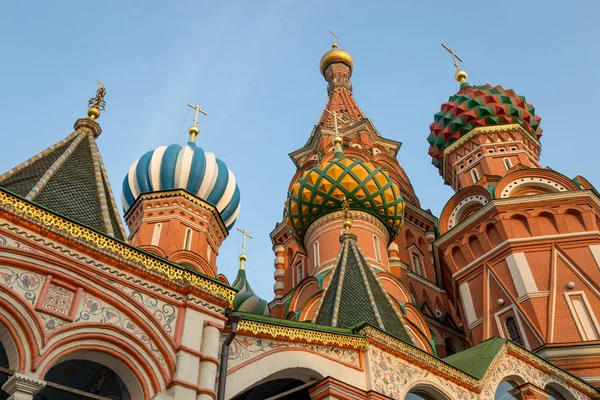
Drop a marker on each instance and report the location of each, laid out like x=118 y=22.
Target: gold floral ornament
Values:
x=97 y=102
x=346 y=214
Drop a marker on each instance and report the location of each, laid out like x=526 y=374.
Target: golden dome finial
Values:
x=194 y=130
x=97 y=103
x=461 y=76
x=335 y=55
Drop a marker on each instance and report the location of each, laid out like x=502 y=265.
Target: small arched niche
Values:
x=574 y=221
x=519 y=226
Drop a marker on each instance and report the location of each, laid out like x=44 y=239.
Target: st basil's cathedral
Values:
x=374 y=297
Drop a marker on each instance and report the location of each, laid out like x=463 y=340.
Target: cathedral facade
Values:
x=374 y=297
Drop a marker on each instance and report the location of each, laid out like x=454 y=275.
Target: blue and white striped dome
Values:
x=190 y=168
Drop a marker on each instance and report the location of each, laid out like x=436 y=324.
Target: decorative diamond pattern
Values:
x=322 y=189
x=475 y=106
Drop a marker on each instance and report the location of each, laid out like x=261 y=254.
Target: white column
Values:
x=521 y=274
x=22 y=387
x=209 y=362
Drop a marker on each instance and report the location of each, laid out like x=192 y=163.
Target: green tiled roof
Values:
x=476 y=360
x=355 y=295
x=69 y=179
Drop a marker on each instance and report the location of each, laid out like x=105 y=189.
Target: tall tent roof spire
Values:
x=69 y=177
x=336 y=66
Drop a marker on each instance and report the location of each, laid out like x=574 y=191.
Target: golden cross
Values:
x=246 y=234
x=197 y=108
x=454 y=56
x=335 y=120
x=333 y=37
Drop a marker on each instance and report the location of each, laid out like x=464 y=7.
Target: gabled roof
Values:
x=355 y=295
x=476 y=360
x=69 y=178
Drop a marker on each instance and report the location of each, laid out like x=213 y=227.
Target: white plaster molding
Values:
x=595 y=249
x=528 y=296
x=521 y=274
x=475 y=323
x=501 y=326
x=21 y=386
x=580 y=328
x=467 y=301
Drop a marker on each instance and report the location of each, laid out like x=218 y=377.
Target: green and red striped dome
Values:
x=475 y=106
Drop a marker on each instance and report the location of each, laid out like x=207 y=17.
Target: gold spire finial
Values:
x=193 y=131
x=333 y=37
x=460 y=76
x=346 y=214
x=97 y=103
x=243 y=257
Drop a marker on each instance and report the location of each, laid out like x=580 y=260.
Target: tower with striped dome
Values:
x=180 y=202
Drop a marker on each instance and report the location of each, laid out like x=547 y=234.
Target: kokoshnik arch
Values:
x=374 y=297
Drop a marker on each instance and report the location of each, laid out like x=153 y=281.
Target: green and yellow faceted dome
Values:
x=322 y=189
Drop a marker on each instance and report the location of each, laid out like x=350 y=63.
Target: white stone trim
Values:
x=501 y=326
x=467 y=301
x=521 y=274
x=593 y=323
x=595 y=249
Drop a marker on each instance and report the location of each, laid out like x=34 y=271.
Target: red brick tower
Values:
x=520 y=245
x=405 y=260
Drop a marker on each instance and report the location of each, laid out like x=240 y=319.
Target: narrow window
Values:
x=209 y=253
x=507 y=163
x=377 y=252
x=299 y=270
x=474 y=175
x=416 y=263
x=156 y=234
x=187 y=243
x=317 y=255
x=513 y=331
x=581 y=313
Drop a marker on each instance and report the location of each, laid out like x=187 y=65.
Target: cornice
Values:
x=90 y=238
x=494 y=203
x=166 y=194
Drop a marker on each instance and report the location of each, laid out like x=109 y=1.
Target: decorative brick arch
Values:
x=462 y=204
x=532 y=181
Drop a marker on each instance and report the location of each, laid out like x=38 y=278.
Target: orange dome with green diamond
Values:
x=322 y=189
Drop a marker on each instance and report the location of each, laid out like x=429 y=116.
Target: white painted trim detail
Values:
x=521 y=274
x=467 y=301
x=595 y=249
x=587 y=325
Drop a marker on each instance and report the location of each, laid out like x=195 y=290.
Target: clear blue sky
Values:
x=253 y=65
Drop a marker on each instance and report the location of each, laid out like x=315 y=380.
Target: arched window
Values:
x=299 y=272
x=513 y=331
x=474 y=176
x=555 y=392
x=187 y=243
x=507 y=163
x=376 y=245
x=209 y=253
x=416 y=260
x=503 y=391
x=450 y=348
x=156 y=234
x=419 y=395
x=317 y=255
x=74 y=379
